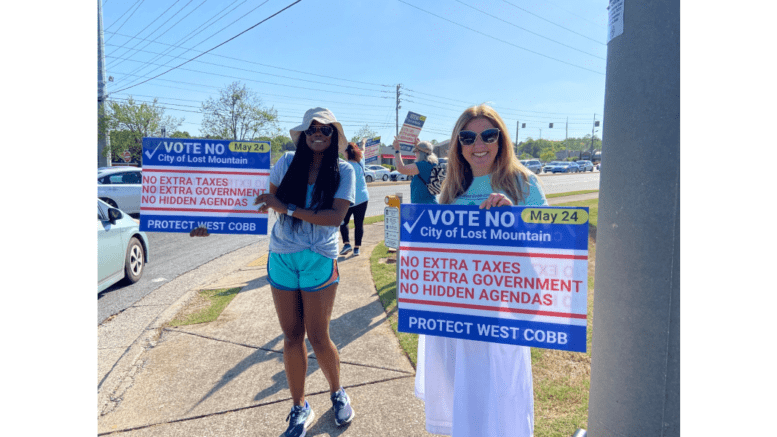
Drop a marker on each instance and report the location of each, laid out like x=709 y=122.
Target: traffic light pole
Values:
x=635 y=357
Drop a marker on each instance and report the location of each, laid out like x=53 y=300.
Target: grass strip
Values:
x=206 y=308
x=384 y=275
x=571 y=193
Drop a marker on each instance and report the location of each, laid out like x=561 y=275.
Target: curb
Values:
x=120 y=377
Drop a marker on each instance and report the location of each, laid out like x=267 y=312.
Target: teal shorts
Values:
x=306 y=271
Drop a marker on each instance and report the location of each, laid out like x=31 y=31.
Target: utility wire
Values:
x=273 y=66
x=259 y=72
x=182 y=18
x=516 y=6
x=122 y=15
x=149 y=24
x=133 y=13
x=257 y=24
x=501 y=40
x=533 y=33
x=195 y=32
x=155 y=30
x=578 y=16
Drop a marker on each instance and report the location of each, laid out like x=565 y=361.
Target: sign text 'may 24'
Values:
x=189 y=183
x=514 y=275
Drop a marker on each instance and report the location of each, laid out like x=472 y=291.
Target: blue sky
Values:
x=535 y=62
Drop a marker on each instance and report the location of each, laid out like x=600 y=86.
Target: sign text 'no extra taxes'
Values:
x=513 y=275
x=189 y=183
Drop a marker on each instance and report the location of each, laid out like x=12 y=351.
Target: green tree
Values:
x=237 y=115
x=547 y=156
x=179 y=134
x=129 y=122
x=365 y=132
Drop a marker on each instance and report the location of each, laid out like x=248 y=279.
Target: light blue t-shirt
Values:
x=362 y=195
x=481 y=188
x=320 y=239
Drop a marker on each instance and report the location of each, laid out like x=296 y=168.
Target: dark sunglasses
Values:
x=325 y=130
x=467 y=137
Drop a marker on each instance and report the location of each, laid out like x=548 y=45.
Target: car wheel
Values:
x=134 y=261
x=368 y=178
x=109 y=202
x=385 y=177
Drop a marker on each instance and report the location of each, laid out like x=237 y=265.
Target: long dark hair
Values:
x=353 y=153
x=294 y=186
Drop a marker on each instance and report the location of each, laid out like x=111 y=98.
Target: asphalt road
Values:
x=173 y=254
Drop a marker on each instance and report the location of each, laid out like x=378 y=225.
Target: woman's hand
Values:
x=201 y=231
x=396 y=143
x=267 y=201
x=496 y=199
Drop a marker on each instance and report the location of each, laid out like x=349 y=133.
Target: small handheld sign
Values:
x=410 y=130
x=371 y=150
x=513 y=275
x=190 y=183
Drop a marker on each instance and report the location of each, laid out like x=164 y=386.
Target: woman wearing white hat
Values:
x=311 y=190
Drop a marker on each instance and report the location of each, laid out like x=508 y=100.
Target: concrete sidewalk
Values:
x=226 y=378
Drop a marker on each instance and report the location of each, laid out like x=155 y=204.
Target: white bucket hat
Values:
x=323 y=116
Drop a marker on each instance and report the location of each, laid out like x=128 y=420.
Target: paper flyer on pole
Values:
x=513 y=275
x=371 y=150
x=189 y=183
x=410 y=130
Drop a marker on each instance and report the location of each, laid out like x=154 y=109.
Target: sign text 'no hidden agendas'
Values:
x=513 y=275
x=189 y=183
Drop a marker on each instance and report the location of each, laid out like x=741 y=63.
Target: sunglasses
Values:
x=325 y=130
x=467 y=137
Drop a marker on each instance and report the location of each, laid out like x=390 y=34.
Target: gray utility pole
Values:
x=635 y=358
x=398 y=94
x=102 y=137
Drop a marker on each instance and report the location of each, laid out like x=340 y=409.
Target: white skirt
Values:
x=473 y=388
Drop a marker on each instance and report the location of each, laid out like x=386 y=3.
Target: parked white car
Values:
x=369 y=175
x=381 y=173
x=122 y=249
x=120 y=188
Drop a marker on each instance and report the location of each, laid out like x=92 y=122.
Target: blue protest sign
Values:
x=189 y=183
x=514 y=275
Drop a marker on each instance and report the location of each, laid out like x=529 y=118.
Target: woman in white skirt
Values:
x=472 y=388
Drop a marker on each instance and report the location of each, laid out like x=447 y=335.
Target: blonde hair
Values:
x=429 y=156
x=505 y=170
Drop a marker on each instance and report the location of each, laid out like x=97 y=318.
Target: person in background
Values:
x=425 y=159
x=310 y=191
x=471 y=387
x=354 y=156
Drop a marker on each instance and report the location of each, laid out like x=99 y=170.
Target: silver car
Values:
x=120 y=188
x=533 y=165
x=122 y=249
x=381 y=173
x=585 y=165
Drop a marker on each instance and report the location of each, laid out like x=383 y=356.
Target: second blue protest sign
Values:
x=514 y=275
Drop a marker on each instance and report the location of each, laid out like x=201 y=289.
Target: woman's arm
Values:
x=325 y=217
x=409 y=169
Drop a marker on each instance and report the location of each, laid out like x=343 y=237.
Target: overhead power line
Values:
x=267 y=65
x=203 y=27
x=184 y=63
x=501 y=40
x=570 y=30
x=121 y=16
x=133 y=13
x=533 y=33
x=267 y=74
